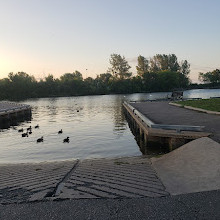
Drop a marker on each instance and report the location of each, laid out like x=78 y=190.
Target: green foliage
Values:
x=160 y=73
x=143 y=66
x=163 y=72
x=210 y=77
x=207 y=104
x=104 y=83
x=21 y=85
x=162 y=81
x=161 y=62
x=185 y=68
x=119 y=67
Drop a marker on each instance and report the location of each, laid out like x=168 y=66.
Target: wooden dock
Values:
x=169 y=136
x=10 y=111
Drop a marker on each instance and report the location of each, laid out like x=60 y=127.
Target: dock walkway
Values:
x=6 y=107
x=11 y=110
x=163 y=113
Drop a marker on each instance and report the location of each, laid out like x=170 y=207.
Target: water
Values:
x=96 y=126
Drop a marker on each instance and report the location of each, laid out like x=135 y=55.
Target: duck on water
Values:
x=40 y=139
x=25 y=134
x=66 y=140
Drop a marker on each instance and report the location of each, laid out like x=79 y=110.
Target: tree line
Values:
x=159 y=73
x=212 y=77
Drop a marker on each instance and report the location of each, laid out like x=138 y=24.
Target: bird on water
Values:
x=24 y=134
x=21 y=130
x=66 y=140
x=37 y=126
x=60 y=132
x=40 y=139
x=28 y=129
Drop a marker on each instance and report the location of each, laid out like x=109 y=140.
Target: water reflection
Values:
x=96 y=126
x=146 y=147
x=119 y=120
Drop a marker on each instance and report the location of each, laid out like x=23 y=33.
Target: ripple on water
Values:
x=99 y=129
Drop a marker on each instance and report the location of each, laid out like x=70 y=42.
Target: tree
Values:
x=210 y=77
x=72 y=83
x=168 y=80
x=154 y=65
x=162 y=62
x=103 y=83
x=21 y=85
x=90 y=86
x=150 y=82
x=185 y=68
x=67 y=77
x=143 y=66
x=78 y=75
x=119 y=67
x=173 y=64
x=5 y=88
x=50 y=86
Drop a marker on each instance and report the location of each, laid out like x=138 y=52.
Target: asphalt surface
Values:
x=163 y=113
x=205 y=205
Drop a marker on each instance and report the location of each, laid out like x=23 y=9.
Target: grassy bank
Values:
x=207 y=104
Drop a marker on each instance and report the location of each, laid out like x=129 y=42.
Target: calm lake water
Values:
x=95 y=125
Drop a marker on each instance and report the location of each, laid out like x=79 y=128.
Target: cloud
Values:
x=132 y=60
x=200 y=68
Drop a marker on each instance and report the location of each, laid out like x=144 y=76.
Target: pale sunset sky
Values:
x=42 y=37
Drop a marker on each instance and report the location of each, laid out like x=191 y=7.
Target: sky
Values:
x=42 y=37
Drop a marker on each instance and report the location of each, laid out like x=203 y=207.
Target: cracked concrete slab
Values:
x=113 y=178
x=30 y=182
x=194 y=167
x=129 y=177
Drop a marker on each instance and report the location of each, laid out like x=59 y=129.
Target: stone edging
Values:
x=195 y=109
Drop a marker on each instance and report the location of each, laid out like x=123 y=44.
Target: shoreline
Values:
x=120 y=188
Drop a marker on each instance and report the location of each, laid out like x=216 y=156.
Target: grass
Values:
x=207 y=104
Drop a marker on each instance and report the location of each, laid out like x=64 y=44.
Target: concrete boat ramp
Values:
x=130 y=177
x=183 y=184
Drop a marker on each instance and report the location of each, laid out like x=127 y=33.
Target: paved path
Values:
x=163 y=113
x=131 y=177
x=7 y=106
x=205 y=205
